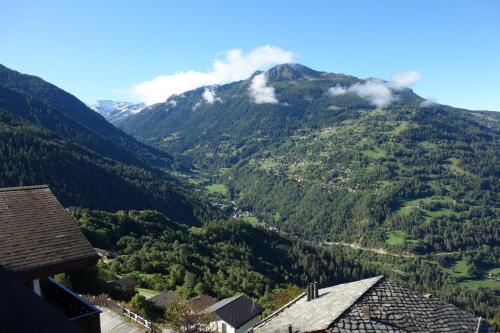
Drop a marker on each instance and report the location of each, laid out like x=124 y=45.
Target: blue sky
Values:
x=106 y=49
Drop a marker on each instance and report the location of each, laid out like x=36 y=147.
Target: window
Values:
x=224 y=328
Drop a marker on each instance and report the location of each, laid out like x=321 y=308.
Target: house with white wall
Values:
x=236 y=314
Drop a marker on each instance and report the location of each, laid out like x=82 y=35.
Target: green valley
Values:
x=411 y=176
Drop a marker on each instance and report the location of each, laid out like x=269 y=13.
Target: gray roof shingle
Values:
x=200 y=303
x=391 y=307
x=316 y=314
x=165 y=298
x=38 y=236
x=394 y=308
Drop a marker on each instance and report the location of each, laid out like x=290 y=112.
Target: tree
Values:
x=184 y=320
x=284 y=296
x=139 y=304
x=472 y=270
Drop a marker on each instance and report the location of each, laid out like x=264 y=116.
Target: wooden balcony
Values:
x=80 y=312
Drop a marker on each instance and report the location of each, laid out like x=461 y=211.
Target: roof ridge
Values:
x=22 y=188
x=379 y=279
x=225 y=302
x=299 y=297
x=166 y=291
x=199 y=296
x=278 y=311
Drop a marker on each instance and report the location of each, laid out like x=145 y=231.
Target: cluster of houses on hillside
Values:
x=235 y=314
x=39 y=239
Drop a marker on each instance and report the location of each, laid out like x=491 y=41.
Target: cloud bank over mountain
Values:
x=378 y=92
x=236 y=65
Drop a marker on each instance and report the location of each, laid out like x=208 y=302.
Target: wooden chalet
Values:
x=38 y=239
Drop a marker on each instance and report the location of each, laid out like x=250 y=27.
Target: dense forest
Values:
x=57 y=110
x=223 y=258
x=411 y=176
x=40 y=144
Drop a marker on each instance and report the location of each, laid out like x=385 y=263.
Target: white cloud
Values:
x=260 y=92
x=377 y=92
x=209 y=96
x=404 y=80
x=337 y=90
x=235 y=66
x=374 y=91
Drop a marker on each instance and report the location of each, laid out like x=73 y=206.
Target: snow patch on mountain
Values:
x=116 y=111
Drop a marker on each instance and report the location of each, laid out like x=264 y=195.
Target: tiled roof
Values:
x=38 y=236
x=201 y=302
x=164 y=299
x=236 y=310
x=391 y=308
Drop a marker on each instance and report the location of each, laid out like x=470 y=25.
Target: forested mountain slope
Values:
x=42 y=145
x=411 y=175
x=53 y=108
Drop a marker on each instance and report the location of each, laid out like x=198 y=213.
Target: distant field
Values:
x=398 y=238
x=375 y=153
x=400 y=128
x=395 y=238
x=268 y=164
x=146 y=291
x=454 y=162
x=217 y=188
x=485 y=283
x=495 y=271
x=223 y=171
x=459 y=270
x=249 y=219
x=407 y=207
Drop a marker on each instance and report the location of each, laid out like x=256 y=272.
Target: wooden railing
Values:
x=138 y=319
x=117 y=307
x=77 y=309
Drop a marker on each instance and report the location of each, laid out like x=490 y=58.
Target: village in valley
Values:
x=249 y=166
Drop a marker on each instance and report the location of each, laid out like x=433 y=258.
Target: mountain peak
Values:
x=116 y=111
x=285 y=72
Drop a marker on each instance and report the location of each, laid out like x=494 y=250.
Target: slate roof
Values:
x=201 y=302
x=236 y=310
x=391 y=307
x=38 y=237
x=394 y=308
x=164 y=299
x=319 y=313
